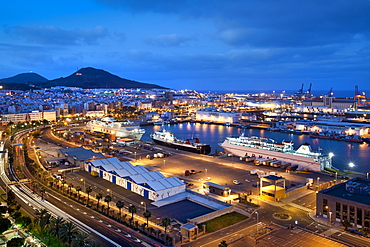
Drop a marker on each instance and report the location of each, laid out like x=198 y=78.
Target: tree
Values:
x=346 y=224
x=5 y=224
x=10 y=197
x=223 y=244
x=78 y=189
x=34 y=185
x=366 y=231
x=120 y=205
x=70 y=186
x=108 y=199
x=39 y=214
x=15 y=242
x=80 y=239
x=57 y=225
x=24 y=221
x=88 y=191
x=68 y=232
x=132 y=210
x=42 y=191
x=99 y=196
x=63 y=183
x=166 y=222
x=147 y=215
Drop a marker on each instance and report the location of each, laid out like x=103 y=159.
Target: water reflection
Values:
x=344 y=152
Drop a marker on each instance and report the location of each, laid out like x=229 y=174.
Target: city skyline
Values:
x=214 y=45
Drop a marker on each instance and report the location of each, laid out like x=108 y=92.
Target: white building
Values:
x=29 y=116
x=218 y=116
x=149 y=184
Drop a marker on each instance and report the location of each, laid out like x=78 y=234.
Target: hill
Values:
x=97 y=78
x=25 y=78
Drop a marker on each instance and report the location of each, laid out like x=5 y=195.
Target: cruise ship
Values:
x=119 y=129
x=168 y=139
x=304 y=157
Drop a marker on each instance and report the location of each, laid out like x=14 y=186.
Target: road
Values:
x=105 y=231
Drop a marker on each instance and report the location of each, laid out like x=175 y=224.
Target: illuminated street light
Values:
x=257 y=221
x=143 y=203
x=83 y=180
x=351 y=164
x=331 y=155
x=111 y=192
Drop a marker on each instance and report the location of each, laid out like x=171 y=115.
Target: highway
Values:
x=103 y=230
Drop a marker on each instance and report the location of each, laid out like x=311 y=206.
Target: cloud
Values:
x=168 y=40
x=51 y=35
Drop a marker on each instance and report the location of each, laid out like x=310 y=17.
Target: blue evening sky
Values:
x=193 y=44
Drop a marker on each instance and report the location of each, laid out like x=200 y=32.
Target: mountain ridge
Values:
x=87 y=78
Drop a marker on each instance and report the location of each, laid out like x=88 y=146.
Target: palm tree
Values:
x=68 y=232
x=223 y=244
x=88 y=190
x=80 y=239
x=63 y=183
x=57 y=226
x=42 y=191
x=132 y=210
x=44 y=174
x=78 y=189
x=346 y=224
x=34 y=185
x=166 y=222
x=366 y=231
x=39 y=214
x=70 y=186
x=50 y=181
x=147 y=215
x=99 y=196
x=120 y=205
x=45 y=220
x=108 y=199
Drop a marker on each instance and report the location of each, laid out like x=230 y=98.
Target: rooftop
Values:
x=341 y=191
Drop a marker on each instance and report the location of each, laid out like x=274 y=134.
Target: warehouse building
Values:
x=149 y=184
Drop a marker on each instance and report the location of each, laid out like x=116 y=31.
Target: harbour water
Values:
x=344 y=152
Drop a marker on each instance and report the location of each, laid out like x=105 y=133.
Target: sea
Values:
x=344 y=152
x=336 y=93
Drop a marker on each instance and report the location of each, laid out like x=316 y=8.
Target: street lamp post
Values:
x=111 y=192
x=83 y=180
x=330 y=218
x=318 y=182
x=367 y=175
x=257 y=221
x=206 y=171
x=336 y=177
x=164 y=165
x=135 y=157
x=143 y=203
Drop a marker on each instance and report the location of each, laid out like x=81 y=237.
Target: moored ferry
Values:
x=192 y=145
x=118 y=129
x=304 y=157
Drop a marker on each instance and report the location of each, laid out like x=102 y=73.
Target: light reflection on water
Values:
x=212 y=134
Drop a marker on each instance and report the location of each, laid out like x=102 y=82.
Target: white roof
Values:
x=165 y=183
x=138 y=174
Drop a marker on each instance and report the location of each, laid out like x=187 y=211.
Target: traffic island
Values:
x=282 y=216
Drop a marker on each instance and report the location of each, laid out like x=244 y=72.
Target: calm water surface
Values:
x=344 y=152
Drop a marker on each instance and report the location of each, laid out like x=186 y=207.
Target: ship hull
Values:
x=302 y=161
x=204 y=149
x=119 y=133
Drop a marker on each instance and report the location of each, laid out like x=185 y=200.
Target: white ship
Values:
x=304 y=157
x=119 y=129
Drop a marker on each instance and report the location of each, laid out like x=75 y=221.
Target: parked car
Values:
x=255 y=185
x=236 y=182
